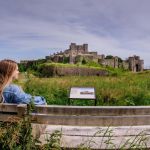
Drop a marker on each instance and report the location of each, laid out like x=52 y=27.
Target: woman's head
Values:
x=8 y=72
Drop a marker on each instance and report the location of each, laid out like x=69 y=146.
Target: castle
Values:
x=81 y=54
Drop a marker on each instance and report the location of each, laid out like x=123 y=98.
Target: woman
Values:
x=11 y=93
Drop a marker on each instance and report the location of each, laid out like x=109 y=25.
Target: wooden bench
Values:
x=78 y=124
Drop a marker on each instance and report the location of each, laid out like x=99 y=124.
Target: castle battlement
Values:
x=80 y=54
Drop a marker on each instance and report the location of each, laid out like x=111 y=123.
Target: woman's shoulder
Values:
x=12 y=88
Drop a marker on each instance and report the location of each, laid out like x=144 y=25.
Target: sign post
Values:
x=82 y=93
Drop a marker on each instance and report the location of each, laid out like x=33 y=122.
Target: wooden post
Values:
x=21 y=109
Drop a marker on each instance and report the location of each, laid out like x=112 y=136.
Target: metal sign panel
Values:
x=82 y=93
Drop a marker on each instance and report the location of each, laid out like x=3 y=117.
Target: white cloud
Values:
x=30 y=29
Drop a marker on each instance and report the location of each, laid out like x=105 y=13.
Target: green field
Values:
x=124 y=89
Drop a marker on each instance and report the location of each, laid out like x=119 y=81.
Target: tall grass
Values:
x=108 y=141
x=18 y=136
x=127 y=89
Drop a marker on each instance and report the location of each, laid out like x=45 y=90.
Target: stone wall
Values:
x=47 y=71
x=125 y=65
x=111 y=62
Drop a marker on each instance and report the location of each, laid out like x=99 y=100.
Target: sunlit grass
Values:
x=126 y=89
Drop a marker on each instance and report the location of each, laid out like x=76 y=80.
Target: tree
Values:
x=109 y=57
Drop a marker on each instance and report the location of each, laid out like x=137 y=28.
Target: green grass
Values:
x=88 y=65
x=127 y=89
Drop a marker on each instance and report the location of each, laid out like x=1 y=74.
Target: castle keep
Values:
x=81 y=54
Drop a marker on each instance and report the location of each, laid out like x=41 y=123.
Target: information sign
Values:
x=82 y=93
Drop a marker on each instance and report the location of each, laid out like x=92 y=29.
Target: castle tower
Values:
x=140 y=65
x=135 y=64
x=115 y=62
x=85 y=47
x=73 y=46
x=71 y=58
x=131 y=64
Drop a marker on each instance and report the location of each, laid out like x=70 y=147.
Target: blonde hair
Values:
x=7 y=67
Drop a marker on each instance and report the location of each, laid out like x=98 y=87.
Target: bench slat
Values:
x=8 y=107
x=90 y=110
x=91 y=120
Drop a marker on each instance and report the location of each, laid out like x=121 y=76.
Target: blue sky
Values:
x=32 y=29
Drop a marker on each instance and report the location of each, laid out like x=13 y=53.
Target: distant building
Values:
x=81 y=54
x=135 y=64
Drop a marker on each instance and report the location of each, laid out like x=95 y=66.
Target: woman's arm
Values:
x=14 y=94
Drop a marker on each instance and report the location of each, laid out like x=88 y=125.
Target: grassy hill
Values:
x=41 y=68
x=124 y=89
